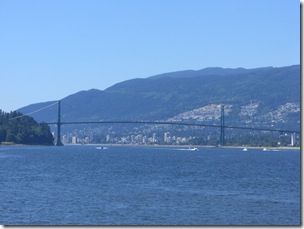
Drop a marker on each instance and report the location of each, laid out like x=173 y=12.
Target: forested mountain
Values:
x=255 y=97
x=23 y=130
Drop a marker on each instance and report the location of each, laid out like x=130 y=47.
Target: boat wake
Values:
x=190 y=149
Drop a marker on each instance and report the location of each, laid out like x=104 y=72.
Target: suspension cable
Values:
x=34 y=111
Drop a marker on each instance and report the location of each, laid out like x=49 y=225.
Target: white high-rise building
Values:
x=293 y=139
x=166 y=136
x=154 y=137
x=74 y=140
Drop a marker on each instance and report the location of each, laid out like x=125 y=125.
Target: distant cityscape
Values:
x=129 y=139
x=167 y=138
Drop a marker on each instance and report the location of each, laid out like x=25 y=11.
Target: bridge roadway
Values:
x=171 y=123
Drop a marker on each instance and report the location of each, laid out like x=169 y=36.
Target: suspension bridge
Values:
x=222 y=125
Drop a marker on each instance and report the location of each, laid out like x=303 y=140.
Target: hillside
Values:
x=18 y=129
x=256 y=97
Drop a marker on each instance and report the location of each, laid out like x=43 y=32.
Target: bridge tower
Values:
x=222 y=137
x=58 y=142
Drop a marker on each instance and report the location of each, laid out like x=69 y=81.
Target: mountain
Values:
x=257 y=97
x=209 y=71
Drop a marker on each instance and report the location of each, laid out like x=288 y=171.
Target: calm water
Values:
x=74 y=185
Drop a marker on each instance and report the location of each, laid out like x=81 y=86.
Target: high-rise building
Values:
x=154 y=137
x=293 y=139
x=74 y=140
x=166 y=136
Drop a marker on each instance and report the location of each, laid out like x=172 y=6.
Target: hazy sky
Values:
x=50 y=49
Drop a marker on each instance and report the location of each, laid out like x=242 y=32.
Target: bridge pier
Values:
x=222 y=137
x=58 y=142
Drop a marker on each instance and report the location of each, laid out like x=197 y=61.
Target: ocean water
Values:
x=82 y=185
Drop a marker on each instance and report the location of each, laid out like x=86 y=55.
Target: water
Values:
x=81 y=185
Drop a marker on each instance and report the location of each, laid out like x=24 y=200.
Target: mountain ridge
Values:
x=164 y=96
x=209 y=71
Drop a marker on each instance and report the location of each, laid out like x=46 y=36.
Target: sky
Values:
x=50 y=49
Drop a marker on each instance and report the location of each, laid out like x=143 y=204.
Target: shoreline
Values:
x=192 y=146
x=169 y=146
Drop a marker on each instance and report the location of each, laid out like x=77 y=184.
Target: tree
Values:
x=14 y=127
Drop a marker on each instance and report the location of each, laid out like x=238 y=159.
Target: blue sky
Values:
x=50 y=49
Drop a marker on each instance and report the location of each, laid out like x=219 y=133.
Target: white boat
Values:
x=245 y=149
x=99 y=147
x=193 y=149
x=190 y=149
x=265 y=149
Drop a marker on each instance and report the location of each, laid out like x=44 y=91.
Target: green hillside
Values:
x=23 y=130
x=168 y=95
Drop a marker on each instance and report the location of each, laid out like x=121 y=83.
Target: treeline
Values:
x=23 y=130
